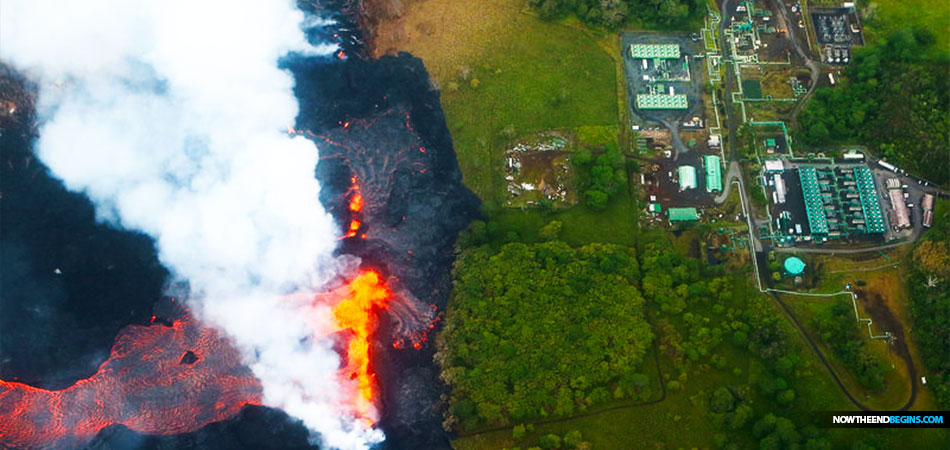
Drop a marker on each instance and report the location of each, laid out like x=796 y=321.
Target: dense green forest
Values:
x=929 y=284
x=836 y=329
x=600 y=177
x=542 y=330
x=612 y=14
x=894 y=100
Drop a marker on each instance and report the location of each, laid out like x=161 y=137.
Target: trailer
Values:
x=887 y=166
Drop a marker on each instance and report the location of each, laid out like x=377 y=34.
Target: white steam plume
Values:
x=169 y=114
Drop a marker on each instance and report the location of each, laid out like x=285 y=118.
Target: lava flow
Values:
x=176 y=379
x=356 y=207
x=356 y=314
x=157 y=380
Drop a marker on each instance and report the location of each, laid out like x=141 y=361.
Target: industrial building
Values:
x=833 y=200
x=662 y=101
x=900 y=215
x=778 y=197
x=867 y=194
x=683 y=215
x=927 y=205
x=773 y=166
x=655 y=51
x=713 y=173
x=814 y=204
x=687 y=177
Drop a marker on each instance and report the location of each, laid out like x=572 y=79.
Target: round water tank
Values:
x=794 y=265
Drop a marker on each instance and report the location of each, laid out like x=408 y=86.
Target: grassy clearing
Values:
x=615 y=225
x=897 y=391
x=502 y=69
x=885 y=275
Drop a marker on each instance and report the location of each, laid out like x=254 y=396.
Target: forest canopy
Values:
x=894 y=100
x=930 y=303
x=543 y=329
x=612 y=14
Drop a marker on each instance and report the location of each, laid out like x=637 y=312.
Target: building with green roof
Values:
x=683 y=214
x=814 y=205
x=713 y=173
x=662 y=101
x=687 y=176
x=655 y=51
x=873 y=217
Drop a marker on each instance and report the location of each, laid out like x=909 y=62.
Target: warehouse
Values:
x=683 y=215
x=713 y=173
x=927 y=204
x=901 y=215
x=687 y=177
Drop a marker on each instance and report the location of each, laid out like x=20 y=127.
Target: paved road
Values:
x=814 y=66
x=734 y=172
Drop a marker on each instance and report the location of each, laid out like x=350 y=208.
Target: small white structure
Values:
x=779 y=188
x=774 y=165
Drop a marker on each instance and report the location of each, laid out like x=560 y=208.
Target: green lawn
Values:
x=545 y=76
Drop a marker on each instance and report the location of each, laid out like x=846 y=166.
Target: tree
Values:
x=818 y=133
x=494 y=352
x=596 y=200
x=551 y=231
x=785 y=397
x=573 y=439
x=518 y=431
x=722 y=400
x=932 y=257
x=582 y=157
x=550 y=441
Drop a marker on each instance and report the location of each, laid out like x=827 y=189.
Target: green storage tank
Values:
x=794 y=265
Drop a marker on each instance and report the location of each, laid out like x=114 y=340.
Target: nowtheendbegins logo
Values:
x=883 y=419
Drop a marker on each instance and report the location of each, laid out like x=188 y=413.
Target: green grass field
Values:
x=547 y=76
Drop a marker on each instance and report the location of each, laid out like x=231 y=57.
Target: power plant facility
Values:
x=817 y=201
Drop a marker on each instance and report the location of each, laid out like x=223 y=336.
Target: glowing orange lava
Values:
x=356 y=207
x=147 y=384
x=174 y=379
x=355 y=313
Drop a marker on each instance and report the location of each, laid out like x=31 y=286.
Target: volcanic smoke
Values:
x=169 y=116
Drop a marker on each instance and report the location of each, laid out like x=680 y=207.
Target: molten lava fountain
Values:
x=356 y=314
